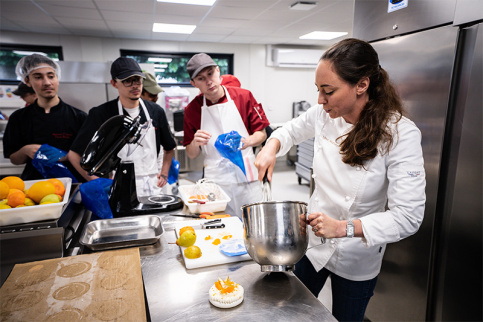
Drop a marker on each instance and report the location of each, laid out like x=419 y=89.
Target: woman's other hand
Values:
x=325 y=226
x=265 y=160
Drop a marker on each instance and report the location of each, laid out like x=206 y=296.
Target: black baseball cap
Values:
x=23 y=89
x=123 y=68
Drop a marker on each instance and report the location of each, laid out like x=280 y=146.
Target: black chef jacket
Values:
x=31 y=125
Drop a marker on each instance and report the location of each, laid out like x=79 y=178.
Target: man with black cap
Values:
x=26 y=93
x=127 y=78
x=48 y=120
x=218 y=110
x=151 y=89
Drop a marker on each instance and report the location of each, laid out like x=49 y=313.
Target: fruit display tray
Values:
x=35 y=213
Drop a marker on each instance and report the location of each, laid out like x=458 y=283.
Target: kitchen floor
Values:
x=285 y=186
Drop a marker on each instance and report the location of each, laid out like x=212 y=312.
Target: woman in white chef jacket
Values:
x=366 y=154
x=218 y=110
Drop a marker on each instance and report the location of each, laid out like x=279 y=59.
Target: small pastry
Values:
x=226 y=293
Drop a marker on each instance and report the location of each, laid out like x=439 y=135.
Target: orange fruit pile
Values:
x=14 y=195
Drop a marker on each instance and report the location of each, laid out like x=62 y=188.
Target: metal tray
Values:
x=122 y=232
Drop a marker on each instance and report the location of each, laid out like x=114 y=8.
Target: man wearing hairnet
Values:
x=48 y=120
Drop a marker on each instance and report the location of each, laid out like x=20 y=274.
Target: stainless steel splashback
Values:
x=85 y=84
x=85 y=72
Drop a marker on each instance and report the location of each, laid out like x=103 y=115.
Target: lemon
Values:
x=51 y=198
x=3 y=202
x=29 y=202
x=5 y=207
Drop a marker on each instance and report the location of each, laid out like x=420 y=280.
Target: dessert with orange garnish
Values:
x=226 y=293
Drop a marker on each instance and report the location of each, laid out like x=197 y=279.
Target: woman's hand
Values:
x=265 y=160
x=325 y=226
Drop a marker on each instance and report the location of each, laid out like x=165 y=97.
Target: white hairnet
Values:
x=32 y=62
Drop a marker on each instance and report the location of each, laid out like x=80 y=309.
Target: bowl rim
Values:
x=274 y=202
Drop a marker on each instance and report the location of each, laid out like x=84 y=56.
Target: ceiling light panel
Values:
x=172 y=28
x=323 y=35
x=191 y=2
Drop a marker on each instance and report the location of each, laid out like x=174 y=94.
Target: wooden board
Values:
x=211 y=254
x=105 y=286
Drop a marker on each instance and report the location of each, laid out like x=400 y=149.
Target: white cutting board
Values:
x=211 y=254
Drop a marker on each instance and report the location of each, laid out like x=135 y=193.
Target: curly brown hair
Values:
x=352 y=60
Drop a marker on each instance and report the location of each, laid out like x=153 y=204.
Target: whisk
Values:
x=266 y=189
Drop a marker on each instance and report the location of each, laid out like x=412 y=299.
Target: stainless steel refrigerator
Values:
x=432 y=51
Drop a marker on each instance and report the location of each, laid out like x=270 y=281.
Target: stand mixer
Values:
x=100 y=158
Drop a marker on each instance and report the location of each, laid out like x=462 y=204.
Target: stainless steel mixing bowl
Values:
x=275 y=237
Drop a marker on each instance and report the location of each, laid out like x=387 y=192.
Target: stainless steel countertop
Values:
x=175 y=293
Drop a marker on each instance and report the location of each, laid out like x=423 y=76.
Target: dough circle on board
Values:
x=111 y=309
x=71 y=291
x=113 y=262
x=75 y=269
x=35 y=275
x=114 y=281
x=21 y=301
x=69 y=314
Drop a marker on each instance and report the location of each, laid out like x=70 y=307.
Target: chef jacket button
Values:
x=358 y=168
x=314 y=175
x=332 y=241
x=347 y=198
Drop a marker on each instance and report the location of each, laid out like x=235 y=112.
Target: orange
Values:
x=59 y=186
x=10 y=191
x=182 y=230
x=4 y=190
x=40 y=189
x=16 y=198
x=14 y=182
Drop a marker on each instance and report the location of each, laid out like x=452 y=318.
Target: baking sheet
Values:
x=122 y=232
x=211 y=254
x=104 y=286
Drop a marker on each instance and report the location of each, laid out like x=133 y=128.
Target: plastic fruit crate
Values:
x=24 y=215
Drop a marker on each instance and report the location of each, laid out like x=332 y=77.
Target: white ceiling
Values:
x=227 y=21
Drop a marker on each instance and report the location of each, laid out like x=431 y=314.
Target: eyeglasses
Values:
x=132 y=80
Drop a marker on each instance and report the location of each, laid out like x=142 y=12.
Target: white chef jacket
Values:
x=344 y=192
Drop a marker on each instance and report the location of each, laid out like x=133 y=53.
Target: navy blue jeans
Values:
x=349 y=298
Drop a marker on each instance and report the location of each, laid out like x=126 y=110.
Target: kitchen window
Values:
x=170 y=68
x=10 y=54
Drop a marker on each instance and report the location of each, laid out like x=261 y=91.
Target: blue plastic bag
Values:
x=173 y=171
x=229 y=145
x=46 y=162
x=95 y=196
